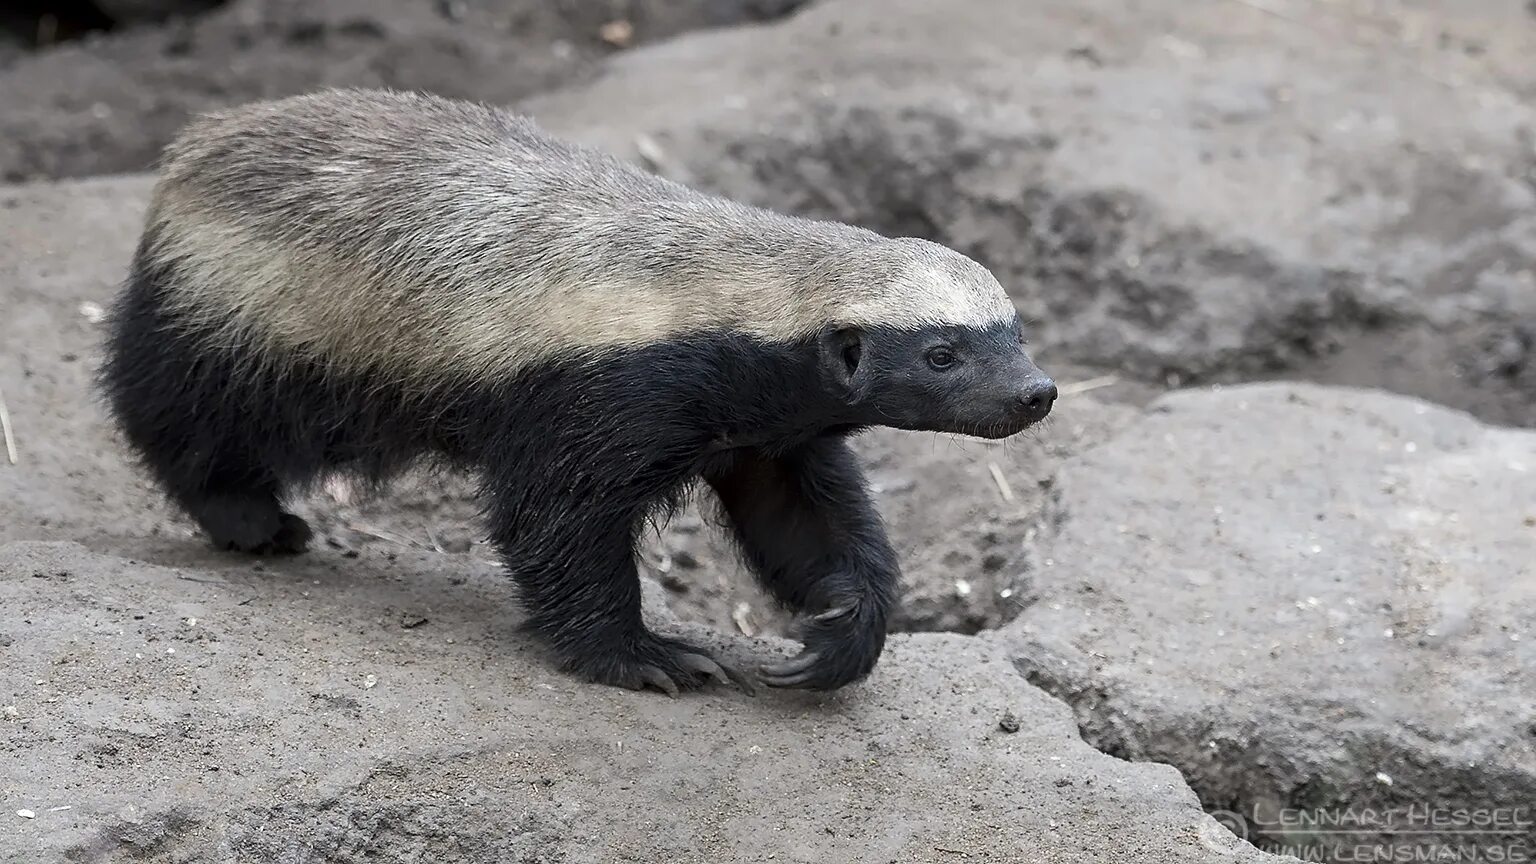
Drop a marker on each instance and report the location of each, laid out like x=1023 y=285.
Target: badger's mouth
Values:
x=998 y=430
x=989 y=429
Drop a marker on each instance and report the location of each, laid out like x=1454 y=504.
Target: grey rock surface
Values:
x=186 y=706
x=1305 y=598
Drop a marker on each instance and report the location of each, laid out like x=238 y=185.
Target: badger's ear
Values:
x=842 y=356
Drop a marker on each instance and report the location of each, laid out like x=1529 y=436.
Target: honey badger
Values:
x=351 y=280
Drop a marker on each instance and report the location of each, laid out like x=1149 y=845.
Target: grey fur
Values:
x=442 y=238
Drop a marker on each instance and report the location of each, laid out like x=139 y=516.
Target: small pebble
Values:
x=26 y=814
x=1008 y=723
x=617 y=33
x=370 y=682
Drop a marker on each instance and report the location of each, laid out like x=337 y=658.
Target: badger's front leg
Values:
x=568 y=539
x=809 y=531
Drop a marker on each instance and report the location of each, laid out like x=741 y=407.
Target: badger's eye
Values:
x=941 y=358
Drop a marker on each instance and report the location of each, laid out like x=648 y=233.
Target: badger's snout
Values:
x=1011 y=404
x=1034 y=399
x=1015 y=402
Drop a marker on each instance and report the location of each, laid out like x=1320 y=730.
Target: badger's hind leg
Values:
x=248 y=522
x=209 y=427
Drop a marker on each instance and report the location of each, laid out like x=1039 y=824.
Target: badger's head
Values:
x=924 y=338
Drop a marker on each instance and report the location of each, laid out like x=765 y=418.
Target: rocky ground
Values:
x=1300 y=596
x=1311 y=598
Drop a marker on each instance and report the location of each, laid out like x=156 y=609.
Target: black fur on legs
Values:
x=574 y=456
x=229 y=433
x=197 y=431
x=618 y=441
x=807 y=527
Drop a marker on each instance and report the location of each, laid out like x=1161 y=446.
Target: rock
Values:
x=1291 y=593
x=473 y=744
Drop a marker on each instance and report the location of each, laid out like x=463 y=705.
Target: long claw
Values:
x=835 y=613
x=700 y=663
x=659 y=679
x=721 y=672
x=799 y=663
x=793 y=672
x=790 y=680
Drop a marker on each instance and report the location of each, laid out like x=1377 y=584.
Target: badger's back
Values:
x=391 y=230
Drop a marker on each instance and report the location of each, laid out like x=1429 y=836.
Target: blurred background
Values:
x=98 y=86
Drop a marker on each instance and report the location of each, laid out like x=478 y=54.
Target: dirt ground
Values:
x=1176 y=194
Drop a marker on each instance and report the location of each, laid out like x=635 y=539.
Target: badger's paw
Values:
x=668 y=665
x=292 y=537
x=253 y=524
x=842 y=644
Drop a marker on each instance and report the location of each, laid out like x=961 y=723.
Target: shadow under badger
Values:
x=352 y=280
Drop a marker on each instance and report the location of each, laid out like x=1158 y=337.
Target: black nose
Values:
x=1036 y=400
